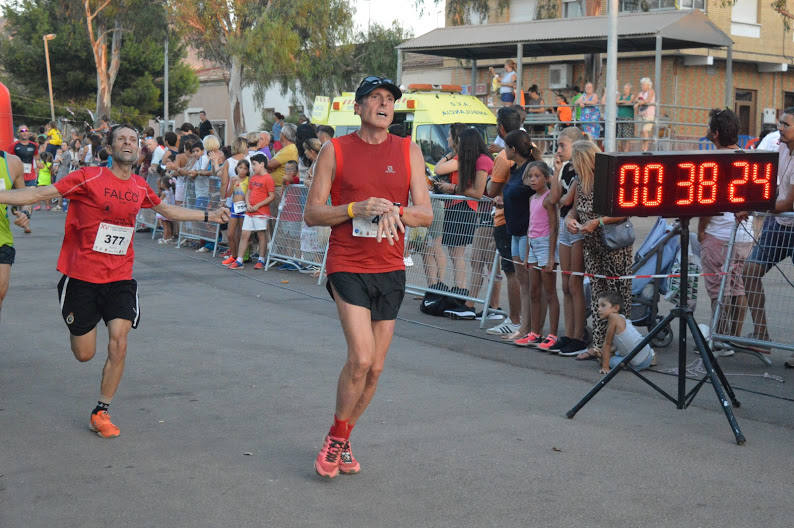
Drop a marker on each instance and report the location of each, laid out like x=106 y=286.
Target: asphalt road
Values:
x=229 y=390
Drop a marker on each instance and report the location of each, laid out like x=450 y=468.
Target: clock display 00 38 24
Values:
x=684 y=184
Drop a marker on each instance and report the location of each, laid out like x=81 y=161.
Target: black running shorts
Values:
x=83 y=304
x=380 y=293
x=7 y=254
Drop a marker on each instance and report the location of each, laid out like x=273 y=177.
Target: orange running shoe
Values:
x=348 y=465
x=327 y=463
x=235 y=265
x=259 y=265
x=101 y=425
x=228 y=260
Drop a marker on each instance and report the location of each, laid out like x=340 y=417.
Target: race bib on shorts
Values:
x=239 y=207
x=27 y=167
x=113 y=239
x=366 y=227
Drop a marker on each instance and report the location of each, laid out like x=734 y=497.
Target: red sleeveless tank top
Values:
x=362 y=171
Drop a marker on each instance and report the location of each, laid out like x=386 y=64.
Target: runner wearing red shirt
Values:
x=97 y=256
x=368 y=175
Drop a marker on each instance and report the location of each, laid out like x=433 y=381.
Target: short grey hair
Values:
x=646 y=80
x=289 y=131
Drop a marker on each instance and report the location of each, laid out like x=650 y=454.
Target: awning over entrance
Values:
x=571 y=36
x=674 y=29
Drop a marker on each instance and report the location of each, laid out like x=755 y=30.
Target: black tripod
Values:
x=714 y=373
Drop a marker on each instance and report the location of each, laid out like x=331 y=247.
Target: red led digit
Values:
x=646 y=178
x=688 y=184
x=766 y=181
x=744 y=166
x=635 y=194
x=708 y=185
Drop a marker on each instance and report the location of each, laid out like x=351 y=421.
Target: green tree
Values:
x=138 y=84
x=262 y=42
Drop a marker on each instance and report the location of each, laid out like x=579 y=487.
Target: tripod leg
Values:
x=708 y=364
x=721 y=375
x=612 y=373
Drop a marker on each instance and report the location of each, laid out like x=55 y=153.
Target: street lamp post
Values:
x=47 y=38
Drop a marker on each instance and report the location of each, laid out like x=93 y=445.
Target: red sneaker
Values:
x=348 y=465
x=531 y=339
x=327 y=462
x=227 y=253
x=548 y=342
x=259 y=265
x=228 y=260
x=101 y=425
x=235 y=265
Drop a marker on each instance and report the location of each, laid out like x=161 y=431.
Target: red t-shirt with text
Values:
x=98 y=196
x=259 y=187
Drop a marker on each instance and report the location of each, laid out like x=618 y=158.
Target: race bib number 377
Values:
x=113 y=239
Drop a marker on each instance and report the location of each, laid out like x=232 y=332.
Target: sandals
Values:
x=590 y=353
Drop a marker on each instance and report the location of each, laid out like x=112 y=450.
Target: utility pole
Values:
x=165 y=89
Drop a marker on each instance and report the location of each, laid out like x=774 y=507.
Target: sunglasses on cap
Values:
x=374 y=80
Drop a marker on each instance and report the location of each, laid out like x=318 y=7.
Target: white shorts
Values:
x=255 y=223
x=539 y=251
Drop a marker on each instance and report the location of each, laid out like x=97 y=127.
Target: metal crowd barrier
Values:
x=768 y=302
x=456 y=255
x=292 y=241
x=208 y=232
x=147 y=217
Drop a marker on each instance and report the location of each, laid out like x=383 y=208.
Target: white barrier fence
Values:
x=292 y=241
x=201 y=231
x=456 y=256
x=759 y=294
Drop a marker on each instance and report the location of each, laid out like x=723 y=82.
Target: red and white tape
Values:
x=624 y=277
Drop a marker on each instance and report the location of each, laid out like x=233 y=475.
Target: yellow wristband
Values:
x=350 y=209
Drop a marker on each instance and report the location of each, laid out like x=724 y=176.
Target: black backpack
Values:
x=435 y=303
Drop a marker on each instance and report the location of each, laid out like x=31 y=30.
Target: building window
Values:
x=744 y=19
x=572 y=8
x=523 y=10
x=659 y=5
x=473 y=16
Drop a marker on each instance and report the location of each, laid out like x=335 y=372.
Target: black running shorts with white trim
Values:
x=83 y=303
x=380 y=293
x=7 y=254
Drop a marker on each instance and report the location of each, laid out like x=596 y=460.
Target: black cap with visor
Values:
x=368 y=84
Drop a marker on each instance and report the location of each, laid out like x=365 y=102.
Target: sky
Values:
x=384 y=12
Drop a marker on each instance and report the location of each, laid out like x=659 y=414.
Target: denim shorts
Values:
x=774 y=245
x=518 y=247
x=636 y=365
x=539 y=251
x=565 y=237
x=507 y=97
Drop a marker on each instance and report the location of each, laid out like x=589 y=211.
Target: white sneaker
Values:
x=506 y=328
x=202 y=249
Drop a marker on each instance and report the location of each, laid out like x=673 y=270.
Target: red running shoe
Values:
x=327 y=462
x=531 y=339
x=348 y=465
x=228 y=260
x=235 y=265
x=101 y=425
x=259 y=265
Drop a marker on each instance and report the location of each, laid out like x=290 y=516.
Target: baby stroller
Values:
x=655 y=256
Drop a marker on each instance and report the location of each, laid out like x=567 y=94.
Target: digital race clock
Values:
x=684 y=184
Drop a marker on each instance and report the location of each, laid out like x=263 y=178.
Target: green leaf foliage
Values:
x=139 y=86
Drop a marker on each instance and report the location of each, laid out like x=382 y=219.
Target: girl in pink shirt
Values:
x=541 y=256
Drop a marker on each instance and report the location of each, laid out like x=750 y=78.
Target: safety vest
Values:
x=6 y=237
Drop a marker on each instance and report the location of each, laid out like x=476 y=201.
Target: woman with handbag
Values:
x=608 y=243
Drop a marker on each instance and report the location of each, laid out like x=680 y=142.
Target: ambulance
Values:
x=424 y=112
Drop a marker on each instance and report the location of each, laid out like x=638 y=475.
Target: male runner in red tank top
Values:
x=369 y=175
x=97 y=256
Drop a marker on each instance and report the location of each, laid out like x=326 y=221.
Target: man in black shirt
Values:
x=28 y=152
x=205 y=127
